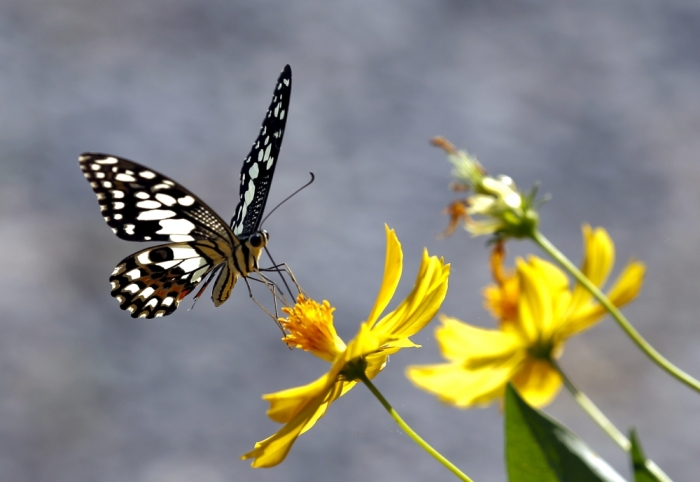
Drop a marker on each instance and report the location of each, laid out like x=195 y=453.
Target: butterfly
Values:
x=140 y=204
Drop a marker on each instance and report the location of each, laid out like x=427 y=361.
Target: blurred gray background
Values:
x=597 y=100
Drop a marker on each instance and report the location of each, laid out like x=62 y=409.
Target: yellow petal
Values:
x=628 y=284
x=393 y=265
x=535 y=303
x=625 y=289
x=286 y=404
x=463 y=343
x=537 y=382
x=598 y=260
x=274 y=449
x=422 y=303
x=463 y=387
x=300 y=408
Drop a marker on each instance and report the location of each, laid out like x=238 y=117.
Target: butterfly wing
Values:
x=152 y=282
x=140 y=204
x=259 y=166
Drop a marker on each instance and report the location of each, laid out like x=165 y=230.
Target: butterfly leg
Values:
x=275 y=317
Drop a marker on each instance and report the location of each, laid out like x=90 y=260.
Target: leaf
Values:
x=539 y=449
x=644 y=469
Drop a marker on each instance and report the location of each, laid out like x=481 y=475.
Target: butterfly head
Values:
x=258 y=240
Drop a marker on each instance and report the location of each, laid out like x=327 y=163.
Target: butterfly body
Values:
x=140 y=204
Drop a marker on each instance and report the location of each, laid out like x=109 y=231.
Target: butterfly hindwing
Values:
x=140 y=204
x=259 y=166
x=152 y=282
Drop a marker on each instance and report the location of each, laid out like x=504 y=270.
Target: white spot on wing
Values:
x=142 y=195
x=133 y=274
x=118 y=216
x=282 y=114
x=95 y=167
x=147 y=174
x=254 y=171
x=148 y=204
x=248 y=198
x=124 y=177
x=143 y=258
x=106 y=184
x=165 y=199
x=186 y=201
x=107 y=160
x=192 y=264
x=183 y=253
x=100 y=175
x=132 y=288
x=175 y=226
x=157 y=214
x=179 y=238
x=117 y=194
x=117 y=205
x=168 y=301
x=148 y=291
x=129 y=228
x=168 y=264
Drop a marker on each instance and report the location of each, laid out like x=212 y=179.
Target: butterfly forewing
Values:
x=259 y=166
x=140 y=204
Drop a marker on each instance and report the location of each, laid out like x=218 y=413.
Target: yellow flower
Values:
x=310 y=327
x=537 y=312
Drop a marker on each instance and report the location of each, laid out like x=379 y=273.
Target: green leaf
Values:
x=644 y=470
x=539 y=449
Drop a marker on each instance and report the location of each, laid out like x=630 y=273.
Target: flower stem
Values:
x=621 y=320
x=409 y=431
x=603 y=422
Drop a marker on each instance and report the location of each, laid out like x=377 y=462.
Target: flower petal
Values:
x=598 y=260
x=463 y=343
x=422 y=303
x=625 y=289
x=535 y=303
x=393 y=265
x=300 y=408
x=464 y=387
x=537 y=382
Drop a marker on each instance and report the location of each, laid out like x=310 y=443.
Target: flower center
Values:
x=310 y=327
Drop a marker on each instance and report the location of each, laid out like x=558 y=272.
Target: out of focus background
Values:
x=597 y=100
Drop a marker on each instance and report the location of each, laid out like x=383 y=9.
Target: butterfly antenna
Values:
x=289 y=197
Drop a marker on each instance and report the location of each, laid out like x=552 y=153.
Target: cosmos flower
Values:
x=310 y=327
x=537 y=312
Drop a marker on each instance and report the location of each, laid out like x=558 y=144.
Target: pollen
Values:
x=310 y=327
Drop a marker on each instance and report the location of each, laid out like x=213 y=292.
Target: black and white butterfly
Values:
x=140 y=204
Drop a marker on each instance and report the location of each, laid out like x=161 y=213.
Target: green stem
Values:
x=626 y=326
x=603 y=422
x=409 y=431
